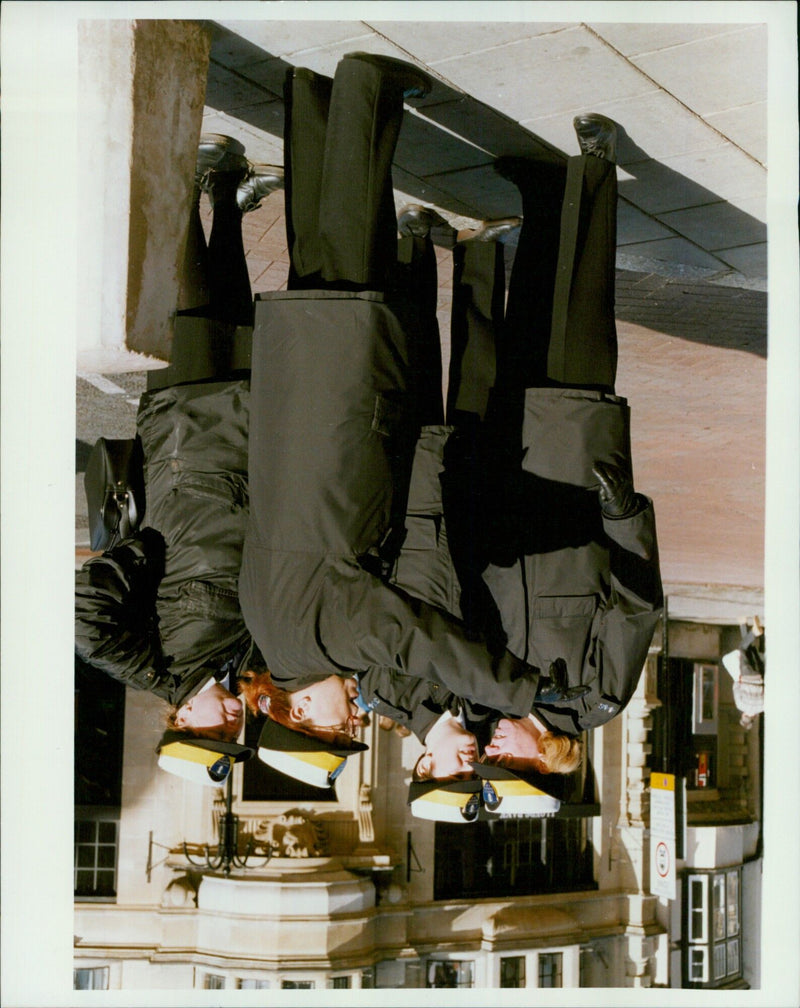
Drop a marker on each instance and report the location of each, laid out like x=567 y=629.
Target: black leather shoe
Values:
x=416 y=221
x=494 y=230
x=259 y=182
x=217 y=152
x=415 y=83
x=597 y=135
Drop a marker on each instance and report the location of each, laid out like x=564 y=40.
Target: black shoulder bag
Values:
x=114 y=482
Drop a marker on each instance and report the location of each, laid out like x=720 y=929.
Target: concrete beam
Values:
x=141 y=94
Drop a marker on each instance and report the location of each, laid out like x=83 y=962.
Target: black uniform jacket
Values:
x=331 y=437
x=580 y=586
x=187 y=560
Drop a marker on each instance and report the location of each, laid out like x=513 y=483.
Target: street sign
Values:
x=662 y=835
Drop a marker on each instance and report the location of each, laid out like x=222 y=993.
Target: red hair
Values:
x=263 y=698
x=253 y=685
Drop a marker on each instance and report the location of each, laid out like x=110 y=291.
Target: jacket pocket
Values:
x=422 y=532
x=388 y=414
x=224 y=490
x=561 y=627
x=564 y=607
x=201 y=598
x=423 y=567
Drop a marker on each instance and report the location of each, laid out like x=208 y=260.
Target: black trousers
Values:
x=558 y=327
x=339 y=141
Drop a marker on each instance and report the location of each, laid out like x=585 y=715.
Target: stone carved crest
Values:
x=292 y=834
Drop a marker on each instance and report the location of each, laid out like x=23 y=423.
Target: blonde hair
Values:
x=560 y=753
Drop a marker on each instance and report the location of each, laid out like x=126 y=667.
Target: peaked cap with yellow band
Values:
x=302 y=756
x=457 y=801
x=493 y=793
x=202 y=760
x=528 y=795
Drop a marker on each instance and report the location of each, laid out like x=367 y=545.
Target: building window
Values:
x=95 y=978
x=297 y=985
x=341 y=983
x=212 y=981
x=246 y=984
x=551 y=969
x=719 y=908
x=261 y=783
x=705 y=699
x=719 y=962
x=95 y=859
x=512 y=971
x=512 y=857
x=698 y=967
x=698 y=907
x=733 y=957
x=449 y=973
x=733 y=901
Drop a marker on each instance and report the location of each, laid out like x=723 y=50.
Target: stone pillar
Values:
x=141 y=91
x=643 y=930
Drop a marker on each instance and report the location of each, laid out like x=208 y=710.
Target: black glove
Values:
x=618 y=499
x=554 y=688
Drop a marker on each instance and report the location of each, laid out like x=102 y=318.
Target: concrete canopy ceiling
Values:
x=690 y=101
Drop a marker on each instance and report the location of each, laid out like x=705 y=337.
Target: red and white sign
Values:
x=662 y=835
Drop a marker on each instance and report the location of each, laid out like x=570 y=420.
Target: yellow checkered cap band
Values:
x=516 y=797
x=314 y=767
x=441 y=805
x=516 y=788
x=203 y=766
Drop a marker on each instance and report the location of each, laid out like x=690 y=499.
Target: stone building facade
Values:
x=356 y=893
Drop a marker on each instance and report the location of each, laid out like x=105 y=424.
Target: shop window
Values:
x=705 y=699
x=512 y=971
x=297 y=985
x=551 y=969
x=712 y=946
x=684 y=734
x=243 y=983
x=95 y=858
x=449 y=973
x=212 y=981
x=732 y=890
x=341 y=983
x=95 y=978
x=733 y=957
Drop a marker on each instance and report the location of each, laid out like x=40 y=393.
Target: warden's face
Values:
x=215 y=713
x=450 y=751
x=328 y=704
x=514 y=745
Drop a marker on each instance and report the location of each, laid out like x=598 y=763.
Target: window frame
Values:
x=458 y=964
x=520 y=960
x=557 y=959
x=94 y=972
x=96 y=817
